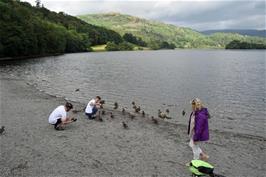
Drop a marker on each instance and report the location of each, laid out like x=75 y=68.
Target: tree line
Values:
x=244 y=45
x=26 y=30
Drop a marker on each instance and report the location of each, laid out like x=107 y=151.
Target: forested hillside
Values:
x=27 y=30
x=154 y=32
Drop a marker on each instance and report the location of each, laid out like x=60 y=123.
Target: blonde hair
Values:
x=196 y=104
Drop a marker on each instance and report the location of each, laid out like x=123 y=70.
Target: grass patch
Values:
x=98 y=48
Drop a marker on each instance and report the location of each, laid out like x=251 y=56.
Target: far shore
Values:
x=101 y=49
x=31 y=147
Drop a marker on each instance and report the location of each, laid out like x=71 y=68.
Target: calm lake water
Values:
x=230 y=83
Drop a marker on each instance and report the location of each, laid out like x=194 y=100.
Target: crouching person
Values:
x=59 y=118
x=92 y=107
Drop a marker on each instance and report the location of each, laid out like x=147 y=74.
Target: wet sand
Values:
x=31 y=147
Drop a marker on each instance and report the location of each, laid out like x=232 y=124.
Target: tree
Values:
x=28 y=30
x=125 y=46
x=38 y=3
x=134 y=40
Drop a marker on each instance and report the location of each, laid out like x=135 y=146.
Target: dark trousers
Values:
x=94 y=111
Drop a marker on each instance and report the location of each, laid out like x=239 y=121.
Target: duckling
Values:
x=167 y=111
x=133 y=103
x=137 y=110
x=154 y=120
x=111 y=115
x=125 y=125
x=103 y=112
x=77 y=90
x=143 y=114
x=183 y=112
x=115 y=105
x=2 y=129
x=123 y=111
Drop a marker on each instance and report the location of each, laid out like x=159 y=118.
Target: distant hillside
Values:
x=27 y=30
x=153 y=31
x=249 y=32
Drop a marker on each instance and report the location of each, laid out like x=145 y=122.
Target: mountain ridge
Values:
x=249 y=32
x=152 y=31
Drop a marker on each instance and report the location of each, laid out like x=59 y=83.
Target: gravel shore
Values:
x=31 y=147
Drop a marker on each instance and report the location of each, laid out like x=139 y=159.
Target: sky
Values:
x=197 y=14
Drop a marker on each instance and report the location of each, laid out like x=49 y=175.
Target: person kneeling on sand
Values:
x=58 y=117
x=198 y=129
x=92 y=107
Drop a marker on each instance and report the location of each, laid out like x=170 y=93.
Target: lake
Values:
x=231 y=83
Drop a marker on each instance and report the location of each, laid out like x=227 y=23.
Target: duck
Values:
x=115 y=105
x=103 y=112
x=111 y=115
x=100 y=119
x=167 y=111
x=161 y=114
x=77 y=90
x=123 y=111
x=183 y=112
x=2 y=129
x=154 y=120
x=125 y=125
x=137 y=110
x=134 y=105
x=143 y=114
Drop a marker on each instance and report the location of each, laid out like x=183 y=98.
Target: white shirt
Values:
x=90 y=106
x=58 y=113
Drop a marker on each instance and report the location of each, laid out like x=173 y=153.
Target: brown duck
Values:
x=125 y=125
x=115 y=105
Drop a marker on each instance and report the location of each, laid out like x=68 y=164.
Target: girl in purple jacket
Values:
x=198 y=129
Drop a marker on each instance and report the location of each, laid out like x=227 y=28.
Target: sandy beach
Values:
x=31 y=147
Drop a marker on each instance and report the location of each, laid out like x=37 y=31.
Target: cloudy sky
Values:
x=197 y=14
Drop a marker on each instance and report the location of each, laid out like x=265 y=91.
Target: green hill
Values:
x=154 y=31
x=27 y=30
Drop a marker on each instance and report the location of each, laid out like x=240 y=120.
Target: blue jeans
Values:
x=94 y=111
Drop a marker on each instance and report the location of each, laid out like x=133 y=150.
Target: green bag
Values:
x=200 y=168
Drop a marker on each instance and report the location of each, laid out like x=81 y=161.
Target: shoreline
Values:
x=109 y=109
x=30 y=57
x=176 y=49
x=31 y=147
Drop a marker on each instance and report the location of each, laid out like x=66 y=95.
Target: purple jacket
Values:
x=201 y=129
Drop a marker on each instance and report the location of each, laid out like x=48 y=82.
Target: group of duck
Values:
x=132 y=114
